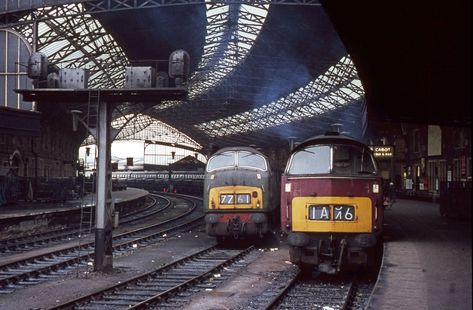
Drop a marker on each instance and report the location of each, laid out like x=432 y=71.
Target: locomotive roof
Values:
x=238 y=148
x=329 y=137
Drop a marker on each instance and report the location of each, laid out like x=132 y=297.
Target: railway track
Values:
x=41 y=240
x=312 y=294
x=292 y=290
x=163 y=287
x=33 y=270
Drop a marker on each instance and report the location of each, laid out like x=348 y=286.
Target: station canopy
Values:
x=259 y=73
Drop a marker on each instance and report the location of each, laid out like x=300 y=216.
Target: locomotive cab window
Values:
x=311 y=160
x=247 y=159
x=224 y=160
x=335 y=159
x=343 y=160
x=367 y=162
x=237 y=159
x=352 y=160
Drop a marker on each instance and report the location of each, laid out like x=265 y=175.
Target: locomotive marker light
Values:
x=287 y=187
x=375 y=188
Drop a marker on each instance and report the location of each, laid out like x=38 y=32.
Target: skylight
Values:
x=339 y=86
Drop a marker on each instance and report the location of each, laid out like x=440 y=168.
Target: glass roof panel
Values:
x=79 y=41
x=339 y=86
x=225 y=23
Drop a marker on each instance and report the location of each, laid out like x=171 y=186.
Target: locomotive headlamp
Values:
x=258 y=176
x=375 y=188
x=212 y=176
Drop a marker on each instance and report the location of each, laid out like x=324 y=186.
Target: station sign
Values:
x=382 y=151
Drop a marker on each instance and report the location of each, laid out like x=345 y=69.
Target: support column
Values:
x=103 y=214
x=34 y=48
x=34 y=29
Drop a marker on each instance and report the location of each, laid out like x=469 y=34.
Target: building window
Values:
x=14 y=51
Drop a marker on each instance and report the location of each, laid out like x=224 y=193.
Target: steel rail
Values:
x=13 y=275
x=9 y=247
x=152 y=275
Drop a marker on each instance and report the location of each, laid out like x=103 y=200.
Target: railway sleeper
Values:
x=122 y=297
x=132 y=292
x=110 y=303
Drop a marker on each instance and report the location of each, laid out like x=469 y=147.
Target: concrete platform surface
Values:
x=427 y=261
x=33 y=208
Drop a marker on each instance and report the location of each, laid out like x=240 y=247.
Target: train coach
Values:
x=332 y=204
x=239 y=194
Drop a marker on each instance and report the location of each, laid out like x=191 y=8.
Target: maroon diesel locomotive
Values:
x=332 y=204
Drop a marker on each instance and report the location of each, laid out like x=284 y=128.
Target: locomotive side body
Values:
x=332 y=204
x=238 y=195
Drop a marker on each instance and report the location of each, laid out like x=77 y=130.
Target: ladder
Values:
x=88 y=209
x=87 y=206
x=89 y=195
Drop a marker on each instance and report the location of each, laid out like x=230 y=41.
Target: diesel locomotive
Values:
x=239 y=194
x=332 y=204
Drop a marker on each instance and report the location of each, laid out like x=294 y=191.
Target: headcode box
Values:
x=140 y=77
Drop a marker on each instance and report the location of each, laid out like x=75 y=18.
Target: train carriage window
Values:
x=247 y=159
x=311 y=160
x=224 y=160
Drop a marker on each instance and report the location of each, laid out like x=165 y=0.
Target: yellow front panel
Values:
x=216 y=192
x=361 y=223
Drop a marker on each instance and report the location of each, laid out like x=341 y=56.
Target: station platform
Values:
x=427 y=260
x=23 y=218
x=36 y=208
